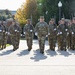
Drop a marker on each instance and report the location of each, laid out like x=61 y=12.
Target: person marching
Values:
x=5 y=34
x=61 y=36
x=52 y=34
x=29 y=34
x=69 y=35
x=41 y=31
x=73 y=33
x=15 y=32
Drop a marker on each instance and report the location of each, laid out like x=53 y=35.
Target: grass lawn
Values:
x=22 y=39
x=7 y=45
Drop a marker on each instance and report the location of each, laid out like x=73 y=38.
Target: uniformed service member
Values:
x=5 y=34
x=41 y=31
x=52 y=34
x=29 y=33
x=61 y=36
x=73 y=34
x=1 y=35
x=15 y=32
x=69 y=35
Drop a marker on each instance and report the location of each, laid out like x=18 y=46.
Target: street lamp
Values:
x=46 y=14
x=59 y=5
x=40 y=8
x=40 y=4
x=31 y=18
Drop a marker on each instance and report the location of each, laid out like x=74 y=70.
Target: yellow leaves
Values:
x=26 y=10
x=20 y=16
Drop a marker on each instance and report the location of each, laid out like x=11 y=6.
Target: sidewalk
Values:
x=22 y=62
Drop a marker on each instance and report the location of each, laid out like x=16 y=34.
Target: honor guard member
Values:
x=69 y=35
x=41 y=31
x=52 y=34
x=61 y=36
x=73 y=34
x=5 y=34
x=1 y=35
x=15 y=32
x=29 y=32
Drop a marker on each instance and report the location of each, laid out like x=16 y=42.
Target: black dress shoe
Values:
x=41 y=52
x=29 y=49
x=14 y=49
x=65 y=50
x=1 y=48
x=53 y=49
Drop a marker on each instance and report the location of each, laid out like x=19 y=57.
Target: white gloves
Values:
x=3 y=30
x=0 y=30
x=21 y=34
x=36 y=34
x=60 y=32
x=66 y=29
x=48 y=33
x=55 y=29
x=15 y=30
x=72 y=32
x=67 y=33
x=24 y=32
x=31 y=30
x=8 y=33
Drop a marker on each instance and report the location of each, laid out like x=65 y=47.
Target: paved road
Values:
x=22 y=62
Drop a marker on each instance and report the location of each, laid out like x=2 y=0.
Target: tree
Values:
x=72 y=10
x=52 y=7
x=47 y=8
x=20 y=17
x=27 y=11
x=5 y=14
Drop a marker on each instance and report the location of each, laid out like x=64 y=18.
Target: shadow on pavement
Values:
x=23 y=52
x=46 y=43
x=38 y=56
x=72 y=51
x=36 y=42
x=51 y=53
x=6 y=52
x=65 y=53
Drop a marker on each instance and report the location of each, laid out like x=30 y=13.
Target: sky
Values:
x=11 y=4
